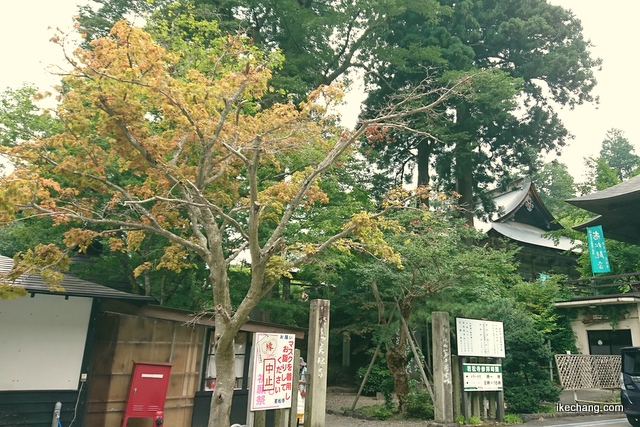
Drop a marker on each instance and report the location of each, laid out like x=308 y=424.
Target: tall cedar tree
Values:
x=539 y=58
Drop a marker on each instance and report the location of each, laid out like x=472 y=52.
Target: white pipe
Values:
x=56 y=414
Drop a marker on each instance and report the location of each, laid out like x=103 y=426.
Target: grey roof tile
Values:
x=72 y=286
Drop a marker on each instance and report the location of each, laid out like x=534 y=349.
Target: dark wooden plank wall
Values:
x=35 y=408
x=123 y=339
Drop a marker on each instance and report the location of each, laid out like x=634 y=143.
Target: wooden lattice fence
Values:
x=582 y=371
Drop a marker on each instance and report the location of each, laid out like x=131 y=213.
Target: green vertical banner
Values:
x=597 y=250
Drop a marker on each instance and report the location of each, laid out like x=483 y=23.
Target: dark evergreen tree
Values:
x=619 y=154
x=555 y=184
x=536 y=54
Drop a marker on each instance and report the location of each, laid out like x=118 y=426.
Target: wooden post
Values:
x=366 y=375
x=373 y=359
x=295 y=386
x=317 y=352
x=259 y=419
x=427 y=357
x=346 y=350
x=475 y=404
x=493 y=405
x=500 y=404
x=281 y=418
x=457 y=386
x=465 y=394
x=442 y=375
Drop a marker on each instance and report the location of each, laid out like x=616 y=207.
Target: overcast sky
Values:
x=27 y=52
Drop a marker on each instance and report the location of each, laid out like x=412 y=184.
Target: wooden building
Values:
x=523 y=219
x=601 y=301
x=78 y=347
x=45 y=350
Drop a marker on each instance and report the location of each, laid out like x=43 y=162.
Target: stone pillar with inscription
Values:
x=442 y=375
x=317 y=358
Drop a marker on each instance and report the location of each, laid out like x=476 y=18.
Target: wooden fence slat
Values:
x=583 y=371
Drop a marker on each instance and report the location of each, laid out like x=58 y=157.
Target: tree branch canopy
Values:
x=158 y=143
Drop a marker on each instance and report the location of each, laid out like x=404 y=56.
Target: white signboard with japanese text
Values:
x=271 y=384
x=481 y=338
x=481 y=377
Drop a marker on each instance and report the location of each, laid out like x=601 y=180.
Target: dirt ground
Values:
x=338 y=400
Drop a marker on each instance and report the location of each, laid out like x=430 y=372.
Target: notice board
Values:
x=272 y=380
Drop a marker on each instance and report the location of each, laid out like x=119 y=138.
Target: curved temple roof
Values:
x=524 y=218
x=618 y=208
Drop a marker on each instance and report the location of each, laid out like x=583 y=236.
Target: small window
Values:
x=631 y=362
x=240 y=352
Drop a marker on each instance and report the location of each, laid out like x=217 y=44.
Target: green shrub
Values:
x=547 y=409
x=475 y=420
x=526 y=399
x=512 y=419
x=381 y=412
x=472 y=420
x=379 y=380
x=419 y=405
x=526 y=385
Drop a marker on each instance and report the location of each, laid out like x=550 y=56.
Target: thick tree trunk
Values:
x=226 y=328
x=464 y=187
x=397 y=361
x=422 y=161
x=223 y=339
x=222 y=397
x=464 y=168
x=396 y=355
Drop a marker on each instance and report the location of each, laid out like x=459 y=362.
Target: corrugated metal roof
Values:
x=72 y=286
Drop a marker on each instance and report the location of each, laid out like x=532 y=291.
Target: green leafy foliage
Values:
x=378 y=381
x=555 y=185
x=522 y=46
x=512 y=419
x=619 y=154
x=526 y=382
x=474 y=420
x=21 y=119
x=419 y=405
x=441 y=271
x=381 y=412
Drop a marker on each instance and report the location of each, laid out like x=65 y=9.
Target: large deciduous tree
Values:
x=171 y=140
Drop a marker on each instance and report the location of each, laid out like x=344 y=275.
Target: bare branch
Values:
x=126 y=225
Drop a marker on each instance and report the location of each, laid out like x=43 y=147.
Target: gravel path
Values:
x=344 y=421
x=338 y=401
